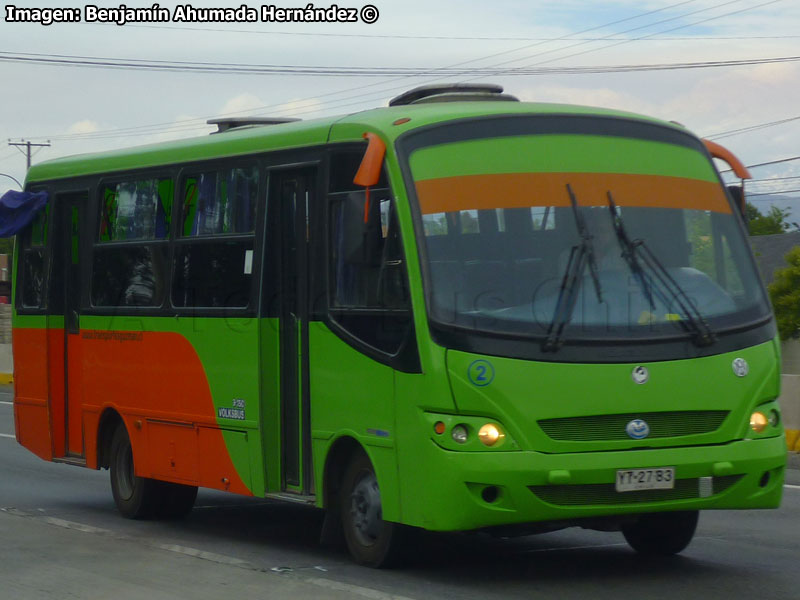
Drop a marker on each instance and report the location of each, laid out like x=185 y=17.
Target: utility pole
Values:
x=28 y=145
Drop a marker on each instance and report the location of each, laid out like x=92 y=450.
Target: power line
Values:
x=111 y=133
x=776 y=193
x=430 y=37
x=741 y=130
x=774 y=162
x=360 y=97
x=357 y=71
x=749 y=181
x=650 y=35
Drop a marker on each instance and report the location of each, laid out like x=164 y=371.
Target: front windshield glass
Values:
x=500 y=227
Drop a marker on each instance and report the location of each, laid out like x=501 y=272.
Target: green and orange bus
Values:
x=457 y=312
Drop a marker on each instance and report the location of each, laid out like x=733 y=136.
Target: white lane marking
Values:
x=212 y=556
x=321 y=582
x=6 y=402
x=8 y=435
x=76 y=526
x=791 y=487
x=357 y=590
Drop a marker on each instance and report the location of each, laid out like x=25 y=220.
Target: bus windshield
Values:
x=570 y=237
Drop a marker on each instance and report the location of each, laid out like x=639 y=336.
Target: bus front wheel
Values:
x=371 y=540
x=135 y=497
x=661 y=534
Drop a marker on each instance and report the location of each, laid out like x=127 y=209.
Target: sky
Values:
x=524 y=45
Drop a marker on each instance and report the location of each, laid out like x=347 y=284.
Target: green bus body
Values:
x=562 y=412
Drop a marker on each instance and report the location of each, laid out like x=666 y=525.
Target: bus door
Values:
x=294 y=191
x=65 y=294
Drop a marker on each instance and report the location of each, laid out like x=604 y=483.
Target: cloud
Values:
x=243 y=103
x=85 y=126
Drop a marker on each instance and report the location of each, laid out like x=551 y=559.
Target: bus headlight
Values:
x=460 y=434
x=774 y=418
x=490 y=434
x=758 y=421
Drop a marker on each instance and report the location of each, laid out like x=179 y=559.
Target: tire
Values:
x=661 y=534
x=371 y=541
x=135 y=497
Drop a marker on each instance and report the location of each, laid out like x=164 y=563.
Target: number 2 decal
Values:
x=481 y=373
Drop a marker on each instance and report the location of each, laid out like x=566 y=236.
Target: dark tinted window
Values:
x=129 y=275
x=32 y=264
x=33 y=278
x=215 y=274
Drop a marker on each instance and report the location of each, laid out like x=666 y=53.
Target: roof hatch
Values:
x=226 y=124
x=453 y=92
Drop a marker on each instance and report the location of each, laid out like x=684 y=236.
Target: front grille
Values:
x=597 y=428
x=605 y=493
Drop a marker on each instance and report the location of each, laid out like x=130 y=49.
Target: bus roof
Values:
x=251 y=140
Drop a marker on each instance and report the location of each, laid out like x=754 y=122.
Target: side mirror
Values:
x=369 y=172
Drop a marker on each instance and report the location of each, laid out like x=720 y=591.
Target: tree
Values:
x=784 y=292
x=773 y=222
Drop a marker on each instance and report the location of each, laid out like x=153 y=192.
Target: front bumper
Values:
x=471 y=490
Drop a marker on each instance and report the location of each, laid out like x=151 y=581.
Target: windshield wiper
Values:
x=632 y=251
x=629 y=251
x=579 y=257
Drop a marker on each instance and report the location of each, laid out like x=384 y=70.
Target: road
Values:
x=62 y=538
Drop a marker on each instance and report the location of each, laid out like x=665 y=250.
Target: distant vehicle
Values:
x=454 y=313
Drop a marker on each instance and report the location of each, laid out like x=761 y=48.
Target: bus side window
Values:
x=369 y=291
x=214 y=250
x=32 y=264
x=125 y=274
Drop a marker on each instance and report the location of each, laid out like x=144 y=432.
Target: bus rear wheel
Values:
x=661 y=534
x=371 y=540
x=135 y=497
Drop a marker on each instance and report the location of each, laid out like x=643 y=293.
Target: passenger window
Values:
x=213 y=260
x=32 y=268
x=219 y=202
x=135 y=210
x=129 y=275
x=213 y=275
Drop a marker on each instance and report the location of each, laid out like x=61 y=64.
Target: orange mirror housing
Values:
x=723 y=153
x=369 y=172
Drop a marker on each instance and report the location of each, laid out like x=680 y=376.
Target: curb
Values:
x=6 y=378
x=793 y=440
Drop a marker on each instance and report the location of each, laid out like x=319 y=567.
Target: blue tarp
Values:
x=17 y=210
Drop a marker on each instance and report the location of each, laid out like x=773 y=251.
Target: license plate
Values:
x=631 y=480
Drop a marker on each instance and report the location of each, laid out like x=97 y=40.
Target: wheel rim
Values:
x=123 y=472
x=365 y=509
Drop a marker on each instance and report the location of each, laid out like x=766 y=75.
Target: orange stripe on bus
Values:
x=522 y=190
x=143 y=376
x=159 y=375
